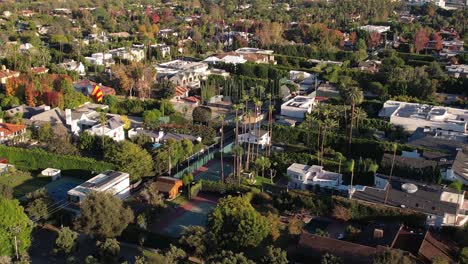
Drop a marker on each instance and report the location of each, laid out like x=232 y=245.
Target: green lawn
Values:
x=23 y=182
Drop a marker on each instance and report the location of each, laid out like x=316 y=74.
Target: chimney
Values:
x=161 y=134
x=46 y=108
x=378 y=233
x=4 y=67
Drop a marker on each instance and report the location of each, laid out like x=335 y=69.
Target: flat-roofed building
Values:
x=440 y=3
x=258 y=137
x=297 y=107
x=304 y=177
x=411 y=116
x=373 y=28
x=257 y=55
x=115 y=182
x=457 y=71
x=183 y=73
x=443 y=206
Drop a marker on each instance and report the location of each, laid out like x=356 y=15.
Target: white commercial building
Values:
x=440 y=3
x=297 y=107
x=113 y=128
x=372 y=28
x=183 y=73
x=114 y=182
x=75 y=66
x=87 y=118
x=131 y=54
x=258 y=137
x=257 y=55
x=443 y=206
x=100 y=59
x=411 y=116
x=457 y=71
x=301 y=176
x=163 y=48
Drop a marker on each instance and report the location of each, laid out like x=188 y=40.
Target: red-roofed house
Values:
x=11 y=131
x=6 y=74
x=86 y=87
x=39 y=70
x=181 y=92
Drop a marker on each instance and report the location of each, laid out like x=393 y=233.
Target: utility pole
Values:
x=221 y=147
x=391 y=173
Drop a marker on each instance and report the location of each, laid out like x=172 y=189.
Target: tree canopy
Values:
x=103 y=215
x=130 y=158
x=13 y=222
x=65 y=241
x=201 y=114
x=236 y=224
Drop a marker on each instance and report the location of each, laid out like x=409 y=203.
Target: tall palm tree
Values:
x=394 y=146
x=352 y=96
x=249 y=116
x=269 y=121
x=270 y=128
x=103 y=121
x=236 y=132
x=351 y=168
x=329 y=126
x=221 y=118
x=258 y=110
x=308 y=124
x=319 y=126
x=238 y=151
x=360 y=115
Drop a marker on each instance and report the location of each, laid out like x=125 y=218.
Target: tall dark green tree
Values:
x=236 y=224
x=103 y=216
x=15 y=228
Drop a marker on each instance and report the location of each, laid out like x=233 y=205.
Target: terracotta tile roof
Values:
x=8 y=73
x=192 y=99
x=231 y=53
x=181 y=91
x=316 y=246
x=9 y=129
x=434 y=246
x=39 y=70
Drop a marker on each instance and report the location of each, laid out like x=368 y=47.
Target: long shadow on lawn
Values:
x=29 y=185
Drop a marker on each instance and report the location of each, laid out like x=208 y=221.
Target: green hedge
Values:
x=38 y=159
x=223 y=188
x=308 y=51
x=415 y=57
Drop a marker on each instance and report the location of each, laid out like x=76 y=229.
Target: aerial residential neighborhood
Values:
x=218 y=132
